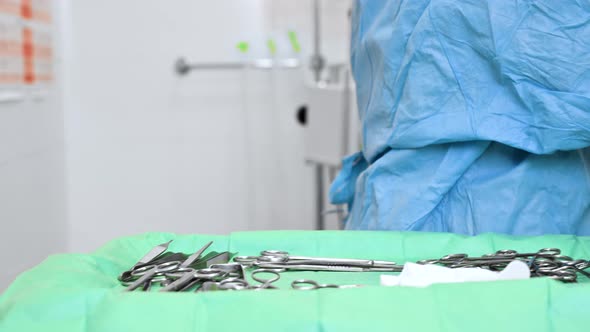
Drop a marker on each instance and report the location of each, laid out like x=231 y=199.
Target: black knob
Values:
x=301 y=115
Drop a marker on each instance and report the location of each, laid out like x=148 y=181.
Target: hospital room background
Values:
x=184 y=116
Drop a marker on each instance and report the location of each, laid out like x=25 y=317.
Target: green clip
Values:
x=294 y=41
x=243 y=46
x=272 y=46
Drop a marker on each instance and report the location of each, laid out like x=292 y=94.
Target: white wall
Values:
x=146 y=150
x=213 y=152
x=32 y=191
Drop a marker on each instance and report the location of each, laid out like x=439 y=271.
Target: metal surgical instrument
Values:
x=331 y=268
x=192 y=258
x=152 y=254
x=187 y=277
x=277 y=256
x=306 y=284
x=148 y=272
x=242 y=284
x=547 y=262
x=282 y=259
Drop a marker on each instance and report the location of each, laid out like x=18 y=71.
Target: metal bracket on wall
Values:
x=183 y=67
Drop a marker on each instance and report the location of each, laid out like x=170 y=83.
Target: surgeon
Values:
x=475 y=117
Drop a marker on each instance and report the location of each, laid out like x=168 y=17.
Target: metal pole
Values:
x=317 y=62
x=183 y=67
x=339 y=210
x=316 y=27
x=320 y=219
x=317 y=65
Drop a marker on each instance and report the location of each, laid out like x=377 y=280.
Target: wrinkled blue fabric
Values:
x=475 y=117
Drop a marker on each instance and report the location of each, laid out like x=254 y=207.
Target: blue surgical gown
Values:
x=475 y=117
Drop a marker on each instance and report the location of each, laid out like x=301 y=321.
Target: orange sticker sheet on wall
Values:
x=41 y=11
x=26 y=47
x=10 y=7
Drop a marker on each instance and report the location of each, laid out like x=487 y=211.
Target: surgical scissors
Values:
x=266 y=283
x=237 y=284
x=227 y=284
x=306 y=284
x=500 y=256
x=234 y=272
x=242 y=284
x=545 y=252
x=148 y=274
x=128 y=276
x=547 y=262
x=186 y=277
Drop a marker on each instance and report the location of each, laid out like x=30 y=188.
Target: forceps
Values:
x=148 y=272
x=152 y=254
x=283 y=257
x=277 y=256
x=332 y=268
x=192 y=258
x=306 y=284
